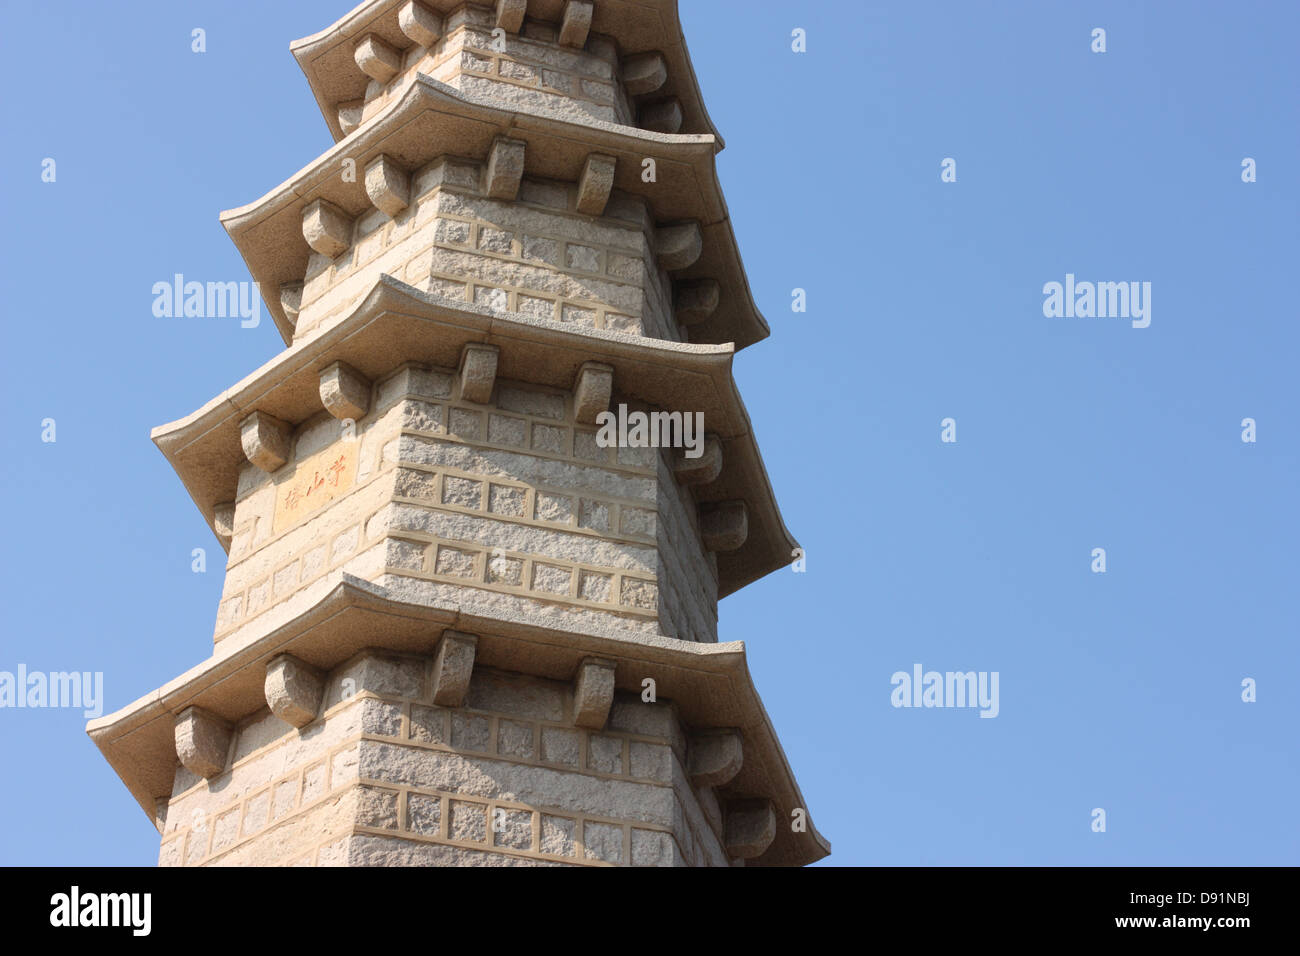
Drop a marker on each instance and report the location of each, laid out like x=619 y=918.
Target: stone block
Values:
x=702 y=470
x=344 y=391
x=593 y=693
x=750 y=828
x=576 y=23
x=387 y=185
x=592 y=391
x=505 y=168
x=202 y=742
x=510 y=14
x=377 y=59
x=595 y=184
x=420 y=24
x=644 y=73
x=724 y=525
x=293 y=690
x=714 y=757
x=266 y=440
x=664 y=116
x=678 y=246
x=327 y=228
x=452 y=668
x=478 y=372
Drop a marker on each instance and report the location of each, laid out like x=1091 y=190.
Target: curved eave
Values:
x=710 y=685
x=432 y=119
x=636 y=26
x=396 y=323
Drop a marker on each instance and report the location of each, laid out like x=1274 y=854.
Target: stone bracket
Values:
x=678 y=246
x=344 y=391
x=662 y=117
x=223 y=520
x=644 y=73
x=695 y=300
x=293 y=690
x=202 y=742
x=350 y=114
x=593 y=693
x=478 y=372
x=510 y=14
x=702 y=470
x=452 y=668
x=420 y=24
x=592 y=391
x=576 y=23
x=266 y=440
x=750 y=828
x=327 y=228
x=714 y=757
x=377 y=59
x=387 y=185
x=291 y=301
x=505 y=168
x=596 y=184
x=724 y=525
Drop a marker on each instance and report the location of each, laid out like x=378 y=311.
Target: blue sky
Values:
x=1119 y=690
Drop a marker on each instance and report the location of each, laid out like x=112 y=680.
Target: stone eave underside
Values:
x=635 y=26
x=396 y=323
x=709 y=683
x=431 y=120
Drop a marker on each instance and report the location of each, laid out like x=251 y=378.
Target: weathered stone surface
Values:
x=266 y=440
x=510 y=14
x=202 y=742
x=724 y=525
x=678 y=246
x=293 y=690
x=695 y=300
x=644 y=73
x=377 y=59
x=505 y=168
x=223 y=519
x=750 y=828
x=715 y=757
x=593 y=693
x=478 y=372
x=419 y=23
x=344 y=391
x=662 y=117
x=291 y=300
x=596 y=183
x=327 y=228
x=387 y=185
x=350 y=113
x=702 y=470
x=453 y=666
x=592 y=391
x=576 y=23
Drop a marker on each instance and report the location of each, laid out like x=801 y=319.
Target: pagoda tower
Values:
x=458 y=625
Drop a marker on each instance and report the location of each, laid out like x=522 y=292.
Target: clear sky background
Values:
x=1119 y=690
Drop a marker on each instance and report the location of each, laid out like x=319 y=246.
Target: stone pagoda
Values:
x=458 y=627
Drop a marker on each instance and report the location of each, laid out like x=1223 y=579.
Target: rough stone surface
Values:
x=293 y=690
x=344 y=391
x=202 y=742
x=593 y=693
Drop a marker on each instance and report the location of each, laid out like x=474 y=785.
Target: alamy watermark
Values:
x=1100 y=300
x=922 y=688
x=57 y=689
x=208 y=300
x=651 y=430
